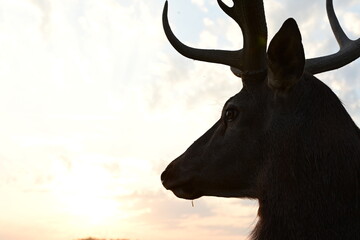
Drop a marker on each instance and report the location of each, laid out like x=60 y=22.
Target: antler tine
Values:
x=230 y=58
x=339 y=33
x=228 y=10
x=251 y=18
x=349 y=49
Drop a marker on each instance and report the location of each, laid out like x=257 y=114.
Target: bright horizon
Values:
x=95 y=103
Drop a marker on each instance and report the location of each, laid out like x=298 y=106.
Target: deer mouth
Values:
x=182 y=186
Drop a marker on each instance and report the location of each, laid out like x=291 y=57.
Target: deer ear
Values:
x=286 y=57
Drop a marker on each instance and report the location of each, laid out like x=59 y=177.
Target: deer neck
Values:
x=317 y=192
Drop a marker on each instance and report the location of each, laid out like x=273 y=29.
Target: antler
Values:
x=349 y=49
x=250 y=16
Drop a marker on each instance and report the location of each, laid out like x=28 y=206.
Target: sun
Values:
x=84 y=193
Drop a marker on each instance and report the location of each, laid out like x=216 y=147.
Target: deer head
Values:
x=273 y=125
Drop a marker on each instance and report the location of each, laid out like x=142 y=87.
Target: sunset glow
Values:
x=94 y=104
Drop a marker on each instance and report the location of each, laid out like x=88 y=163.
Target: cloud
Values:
x=207 y=219
x=351 y=20
x=45 y=7
x=95 y=103
x=200 y=4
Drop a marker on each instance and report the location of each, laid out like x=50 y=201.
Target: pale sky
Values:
x=94 y=103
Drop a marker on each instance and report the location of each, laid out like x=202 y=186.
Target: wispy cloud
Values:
x=95 y=103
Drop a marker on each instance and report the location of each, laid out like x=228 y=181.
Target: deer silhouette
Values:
x=285 y=139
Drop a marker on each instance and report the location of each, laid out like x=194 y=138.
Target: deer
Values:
x=284 y=139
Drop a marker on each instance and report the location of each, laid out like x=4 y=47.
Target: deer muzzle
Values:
x=179 y=180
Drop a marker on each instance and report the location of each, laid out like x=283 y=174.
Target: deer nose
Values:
x=169 y=171
x=166 y=174
x=173 y=174
x=163 y=176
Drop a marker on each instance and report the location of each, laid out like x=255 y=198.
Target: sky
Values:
x=94 y=103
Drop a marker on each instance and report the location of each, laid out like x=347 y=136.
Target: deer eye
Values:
x=230 y=115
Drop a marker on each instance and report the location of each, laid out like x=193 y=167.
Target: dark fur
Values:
x=310 y=188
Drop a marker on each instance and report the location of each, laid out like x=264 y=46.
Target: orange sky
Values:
x=94 y=103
